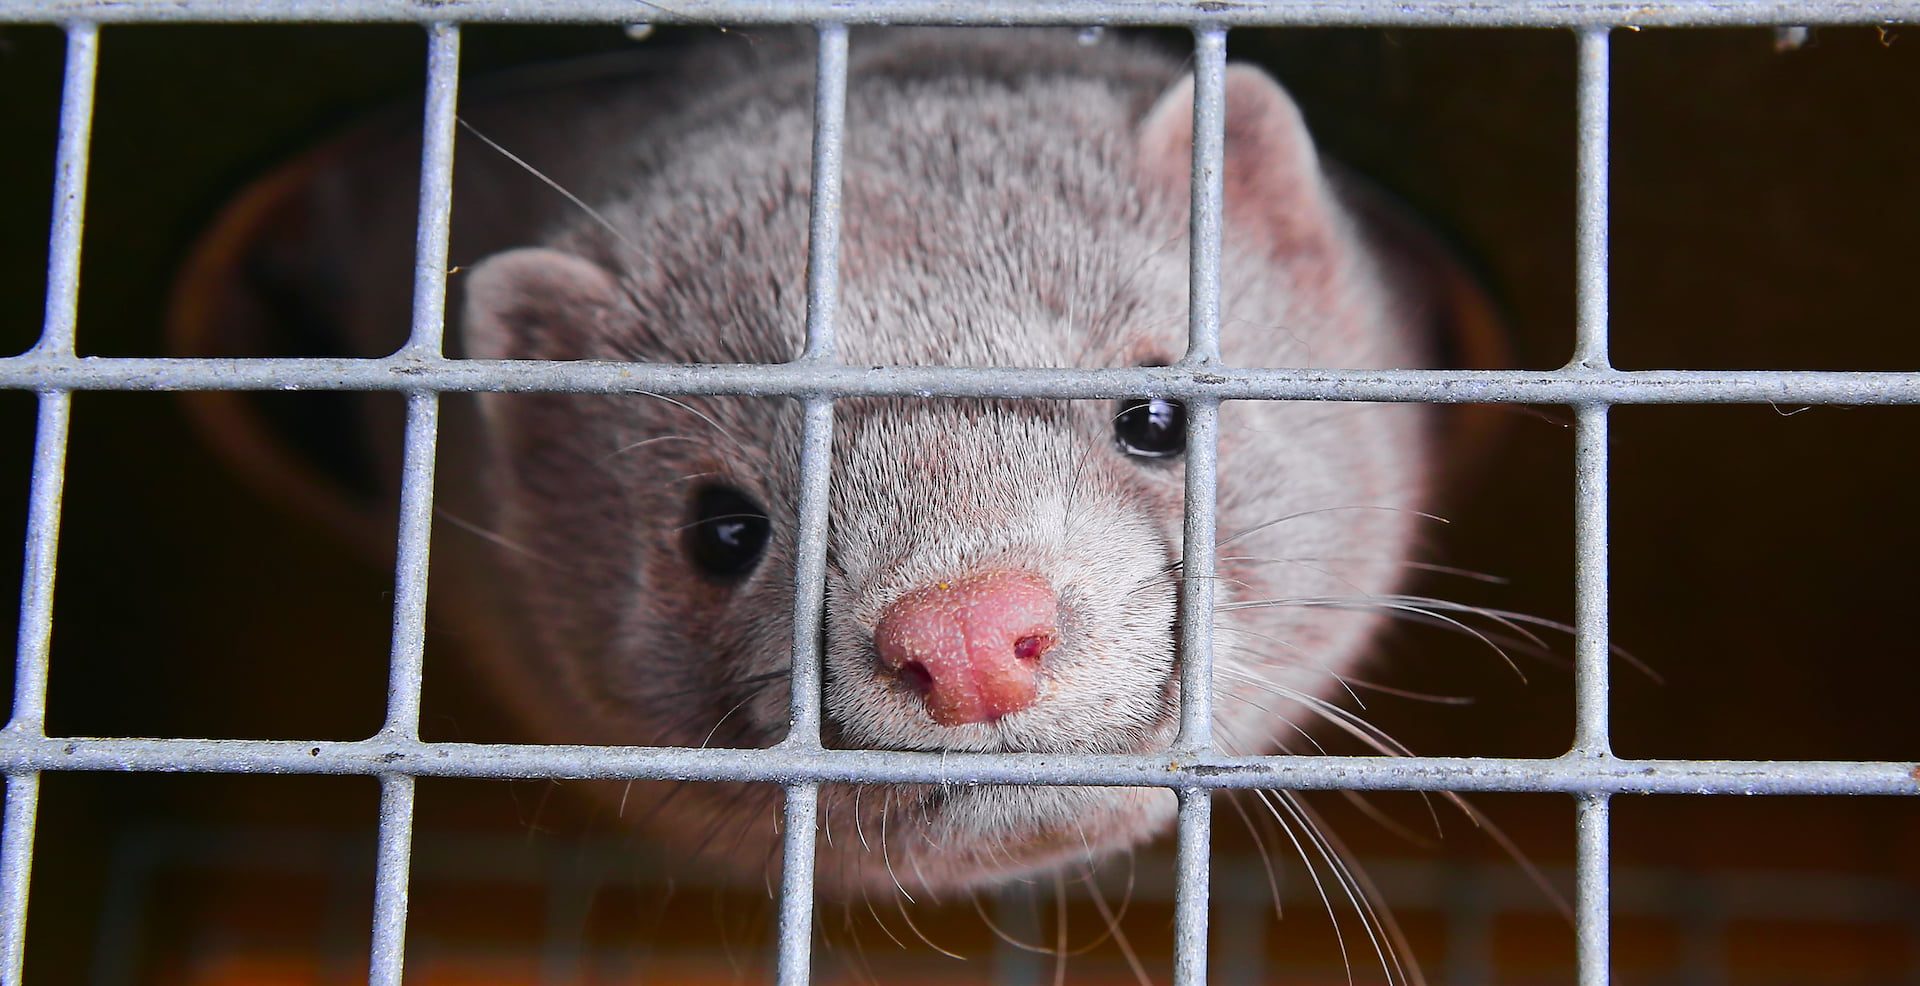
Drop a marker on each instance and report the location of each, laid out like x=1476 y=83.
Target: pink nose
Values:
x=971 y=646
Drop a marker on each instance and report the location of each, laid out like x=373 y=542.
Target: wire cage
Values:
x=1589 y=773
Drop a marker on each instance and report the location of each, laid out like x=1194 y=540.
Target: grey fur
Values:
x=1007 y=204
x=1011 y=200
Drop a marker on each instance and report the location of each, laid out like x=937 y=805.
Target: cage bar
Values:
x=1593 y=890
x=1593 y=96
x=782 y=765
x=30 y=682
x=393 y=862
x=1591 y=649
x=1197 y=556
x=1565 y=386
x=802 y=807
x=421 y=439
x=70 y=190
x=1593 y=893
x=800 y=765
x=28 y=718
x=823 y=211
x=1208 y=193
x=1141 y=13
x=800 y=818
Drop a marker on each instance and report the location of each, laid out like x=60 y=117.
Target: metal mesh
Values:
x=396 y=755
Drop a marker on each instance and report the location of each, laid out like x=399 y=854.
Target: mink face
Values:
x=1002 y=576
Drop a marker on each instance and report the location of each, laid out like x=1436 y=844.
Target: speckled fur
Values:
x=1010 y=201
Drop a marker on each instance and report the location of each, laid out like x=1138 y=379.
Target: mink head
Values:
x=1001 y=575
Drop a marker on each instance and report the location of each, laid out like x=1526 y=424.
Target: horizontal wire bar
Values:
x=1571 y=385
x=1226 y=13
x=1570 y=774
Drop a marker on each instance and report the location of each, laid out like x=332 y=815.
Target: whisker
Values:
x=887 y=859
x=1113 y=929
x=1060 y=931
x=1313 y=874
x=1318 y=665
x=1383 y=604
x=1379 y=817
x=644 y=442
x=611 y=229
x=1001 y=933
x=864 y=895
x=493 y=537
x=1465 y=573
x=1359 y=890
x=1277 y=521
x=1266 y=857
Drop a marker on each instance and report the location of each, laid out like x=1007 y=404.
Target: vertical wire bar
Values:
x=423 y=407
x=1196 y=577
x=1192 y=868
x=1591 y=206
x=796 y=884
x=436 y=189
x=1591 y=731
x=23 y=802
x=30 y=689
x=1592 y=921
x=70 y=189
x=1590 y=688
x=823 y=214
x=1203 y=327
x=405 y=672
x=391 y=865
x=1590 y=436
x=45 y=490
x=393 y=860
x=1209 y=193
x=1192 y=858
x=1590 y=648
x=42 y=551
x=810 y=572
x=802 y=806
x=823 y=290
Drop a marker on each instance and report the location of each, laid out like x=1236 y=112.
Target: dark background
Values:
x=1765 y=208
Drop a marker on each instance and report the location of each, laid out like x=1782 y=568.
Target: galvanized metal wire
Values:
x=1194 y=769
x=802 y=808
x=1224 y=13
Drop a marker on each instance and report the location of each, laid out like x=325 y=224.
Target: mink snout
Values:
x=971 y=647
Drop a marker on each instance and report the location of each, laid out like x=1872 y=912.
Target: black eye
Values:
x=1151 y=428
x=728 y=532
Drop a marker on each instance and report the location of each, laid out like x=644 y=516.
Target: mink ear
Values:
x=1273 y=183
x=537 y=303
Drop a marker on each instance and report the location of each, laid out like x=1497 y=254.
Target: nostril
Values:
x=916 y=676
x=1031 y=646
